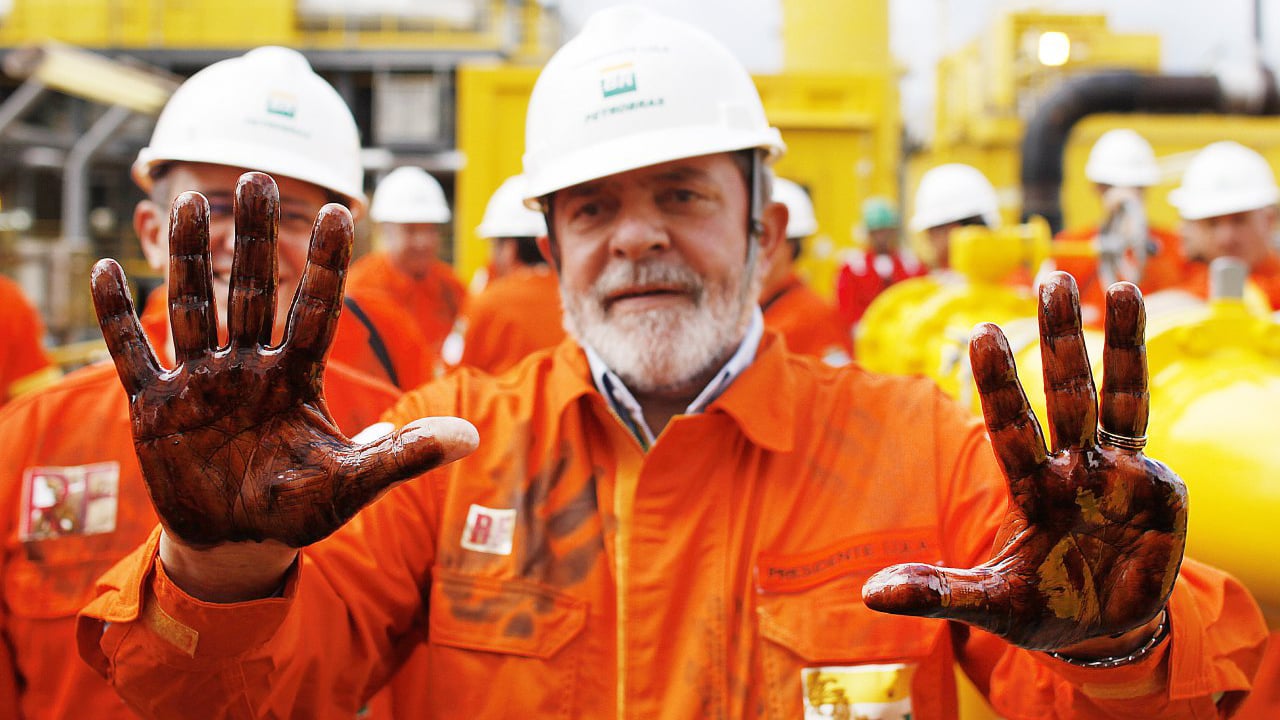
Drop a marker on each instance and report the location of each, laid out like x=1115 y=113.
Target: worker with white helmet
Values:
x=72 y=495
x=1123 y=245
x=518 y=311
x=411 y=214
x=951 y=196
x=869 y=270
x=1227 y=201
x=670 y=514
x=807 y=323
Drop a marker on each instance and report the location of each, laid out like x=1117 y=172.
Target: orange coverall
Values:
x=514 y=316
x=23 y=363
x=374 y=337
x=434 y=301
x=1166 y=268
x=78 y=432
x=560 y=571
x=809 y=324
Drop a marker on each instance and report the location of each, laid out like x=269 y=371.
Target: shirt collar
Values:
x=624 y=403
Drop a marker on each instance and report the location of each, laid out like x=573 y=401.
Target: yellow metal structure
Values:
x=838 y=113
x=219 y=24
x=987 y=90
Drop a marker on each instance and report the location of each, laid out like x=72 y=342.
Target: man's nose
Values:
x=639 y=232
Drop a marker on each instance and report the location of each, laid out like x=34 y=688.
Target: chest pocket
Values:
x=825 y=654
x=502 y=647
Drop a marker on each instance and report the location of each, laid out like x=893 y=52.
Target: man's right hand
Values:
x=236 y=443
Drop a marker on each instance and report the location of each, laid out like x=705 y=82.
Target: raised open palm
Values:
x=236 y=442
x=1095 y=531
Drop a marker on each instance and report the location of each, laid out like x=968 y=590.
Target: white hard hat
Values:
x=954 y=192
x=506 y=215
x=635 y=89
x=1123 y=158
x=409 y=195
x=265 y=110
x=1224 y=178
x=801 y=222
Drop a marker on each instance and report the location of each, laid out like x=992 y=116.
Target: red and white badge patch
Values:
x=75 y=500
x=489 y=530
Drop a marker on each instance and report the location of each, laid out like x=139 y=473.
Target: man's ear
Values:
x=773 y=222
x=149 y=221
x=550 y=252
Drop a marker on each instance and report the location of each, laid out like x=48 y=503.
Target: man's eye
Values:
x=295 y=218
x=587 y=210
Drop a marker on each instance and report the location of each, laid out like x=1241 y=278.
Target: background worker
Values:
x=1123 y=246
x=519 y=310
x=808 y=323
x=1227 y=201
x=66 y=451
x=24 y=366
x=951 y=196
x=866 y=272
x=410 y=210
x=670 y=515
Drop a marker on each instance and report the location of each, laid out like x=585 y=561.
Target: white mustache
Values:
x=626 y=274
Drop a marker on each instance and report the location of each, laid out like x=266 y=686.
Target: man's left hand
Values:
x=1094 y=535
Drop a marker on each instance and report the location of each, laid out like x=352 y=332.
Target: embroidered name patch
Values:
x=489 y=530
x=866 y=692
x=76 y=500
x=862 y=553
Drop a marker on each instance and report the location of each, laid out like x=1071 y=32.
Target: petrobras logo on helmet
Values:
x=279 y=112
x=618 y=79
x=282 y=103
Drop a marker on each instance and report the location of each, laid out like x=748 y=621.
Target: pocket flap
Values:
x=510 y=616
x=830 y=624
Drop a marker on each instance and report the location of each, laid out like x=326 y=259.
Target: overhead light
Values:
x=1054 y=48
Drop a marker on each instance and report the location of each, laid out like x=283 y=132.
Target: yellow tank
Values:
x=922 y=326
x=1215 y=410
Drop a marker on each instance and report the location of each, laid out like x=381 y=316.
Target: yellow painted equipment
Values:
x=1215 y=410
x=221 y=24
x=988 y=89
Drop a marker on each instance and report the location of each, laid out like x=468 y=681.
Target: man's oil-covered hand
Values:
x=1095 y=531
x=236 y=443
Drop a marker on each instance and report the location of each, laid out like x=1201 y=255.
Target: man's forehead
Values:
x=704 y=168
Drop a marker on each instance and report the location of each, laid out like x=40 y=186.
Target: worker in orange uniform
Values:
x=1124 y=246
x=670 y=514
x=24 y=366
x=410 y=211
x=867 y=272
x=519 y=310
x=808 y=324
x=74 y=501
x=1227 y=202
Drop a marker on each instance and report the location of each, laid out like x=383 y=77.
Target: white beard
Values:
x=667 y=349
